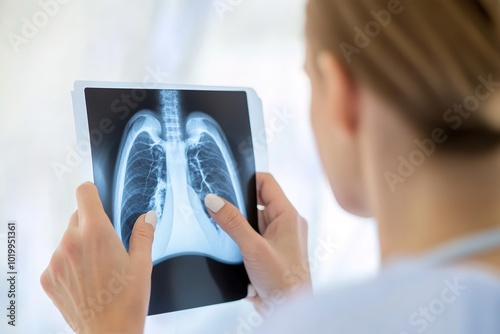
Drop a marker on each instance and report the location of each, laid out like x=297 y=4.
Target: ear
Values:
x=340 y=95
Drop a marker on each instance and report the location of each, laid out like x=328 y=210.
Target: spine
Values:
x=171 y=115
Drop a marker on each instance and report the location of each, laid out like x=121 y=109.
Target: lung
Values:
x=169 y=165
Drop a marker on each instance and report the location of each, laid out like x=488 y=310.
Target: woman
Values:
x=406 y=114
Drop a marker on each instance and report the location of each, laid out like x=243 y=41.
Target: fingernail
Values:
x=214 y=203
x=251 y=291
x=151 y=219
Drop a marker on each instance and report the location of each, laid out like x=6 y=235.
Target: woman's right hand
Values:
x=276 y=260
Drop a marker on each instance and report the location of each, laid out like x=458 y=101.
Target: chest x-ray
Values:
x=169 y=164
x=165 y=150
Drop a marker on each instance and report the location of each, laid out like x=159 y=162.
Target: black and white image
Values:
x=165 y=150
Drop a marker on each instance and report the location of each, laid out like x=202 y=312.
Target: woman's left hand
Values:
x=93 y=281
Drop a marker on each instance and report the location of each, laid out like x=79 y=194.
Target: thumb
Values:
x=141 y=240
x=230 y=219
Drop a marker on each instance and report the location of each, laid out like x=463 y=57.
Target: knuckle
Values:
x=74 y=216
x=45 y=282
x=69 y=247
x=142 y=232
x=55 y=269
x=232 y=219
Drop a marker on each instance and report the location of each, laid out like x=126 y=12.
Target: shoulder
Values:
x=401 y=302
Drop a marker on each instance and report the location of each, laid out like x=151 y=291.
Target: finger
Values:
x=141 y=240
x=271 y=196
x=230 y=219
x=262 y=221
x=50 y=280
x=89 y=204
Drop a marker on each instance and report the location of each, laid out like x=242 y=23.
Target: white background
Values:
x=257 y=43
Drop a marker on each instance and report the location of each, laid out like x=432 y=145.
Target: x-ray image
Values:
x=165 y=150
x=168 y=164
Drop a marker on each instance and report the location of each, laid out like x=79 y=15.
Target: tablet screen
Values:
x=165 y=150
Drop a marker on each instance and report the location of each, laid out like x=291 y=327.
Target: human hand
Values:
x=96 y=285
x=276 y=260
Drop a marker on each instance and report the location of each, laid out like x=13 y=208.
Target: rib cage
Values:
x=174 y=189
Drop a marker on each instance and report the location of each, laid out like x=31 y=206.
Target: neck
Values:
x=438 y=205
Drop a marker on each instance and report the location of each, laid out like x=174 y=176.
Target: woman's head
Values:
x=402 y=74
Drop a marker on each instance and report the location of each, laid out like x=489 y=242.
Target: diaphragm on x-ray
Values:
x=164 y=149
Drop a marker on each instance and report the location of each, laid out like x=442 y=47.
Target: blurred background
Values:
x=46 y=45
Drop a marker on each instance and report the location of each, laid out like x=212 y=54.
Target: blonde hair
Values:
x=425 y=57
